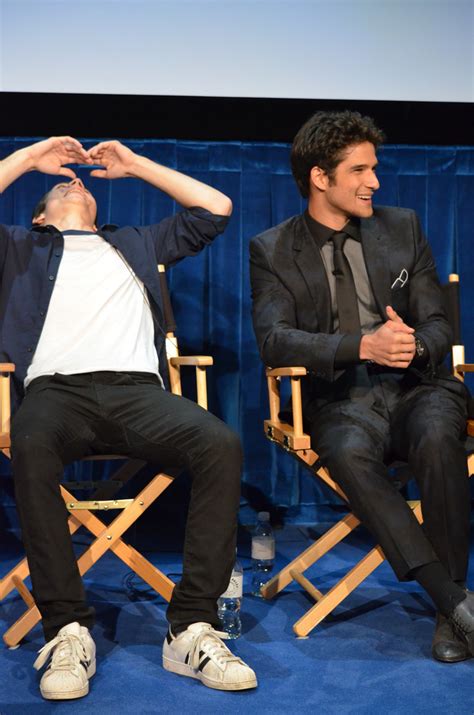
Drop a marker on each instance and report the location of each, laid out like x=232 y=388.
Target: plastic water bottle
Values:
x=229 y=603
x=263 y=552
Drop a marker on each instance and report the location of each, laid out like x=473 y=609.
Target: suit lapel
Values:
x=375 y=246
x=310 y=264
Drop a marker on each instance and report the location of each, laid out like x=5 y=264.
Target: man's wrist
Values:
x=365 y=352
x=140 y=167
x=25 y=158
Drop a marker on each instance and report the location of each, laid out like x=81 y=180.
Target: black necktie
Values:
x=346 y=296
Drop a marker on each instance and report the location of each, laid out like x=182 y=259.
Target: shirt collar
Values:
x=111 y=227
x=322 y=234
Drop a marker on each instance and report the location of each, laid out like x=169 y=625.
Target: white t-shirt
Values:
x=99 y=317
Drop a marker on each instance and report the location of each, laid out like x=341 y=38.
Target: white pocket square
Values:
x=401 y=280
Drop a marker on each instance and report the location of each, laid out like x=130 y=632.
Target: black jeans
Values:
x=424 y=426
x=65 y=417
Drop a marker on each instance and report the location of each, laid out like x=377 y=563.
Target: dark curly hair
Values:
x=321 y=141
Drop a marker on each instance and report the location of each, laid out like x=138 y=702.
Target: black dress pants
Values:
x=65 y=417
x=424 y=426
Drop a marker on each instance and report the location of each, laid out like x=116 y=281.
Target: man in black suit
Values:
x=351 y=292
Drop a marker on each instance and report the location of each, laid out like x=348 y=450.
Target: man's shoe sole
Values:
x=451 y=660
x=174 y=666
x=72 y=694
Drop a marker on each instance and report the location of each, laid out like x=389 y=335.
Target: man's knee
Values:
x=223 y=441
x=342 y=452
x=218 y=460
x=437 y=442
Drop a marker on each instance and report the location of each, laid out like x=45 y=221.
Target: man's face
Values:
x=349 y=191
x=70 y=195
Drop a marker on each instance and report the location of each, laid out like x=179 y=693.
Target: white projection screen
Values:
x=387 y=50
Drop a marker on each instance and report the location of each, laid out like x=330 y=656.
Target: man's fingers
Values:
x=393 y=315
x=100 y=147
x=75 y=157
x=99 y=173
x=397 y=327
x=395 y=322
x=64 y=171
x=69 y=141
x=402 y=339
x=72 y=147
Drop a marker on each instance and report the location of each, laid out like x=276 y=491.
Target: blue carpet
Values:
x=373 y=656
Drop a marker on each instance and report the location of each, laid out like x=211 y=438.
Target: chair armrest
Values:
x=286 y=371
x=200 y=363
x=192 y=360
x=467 y=367
x=290 y=436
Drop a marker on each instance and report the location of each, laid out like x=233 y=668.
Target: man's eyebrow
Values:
x=365 y=166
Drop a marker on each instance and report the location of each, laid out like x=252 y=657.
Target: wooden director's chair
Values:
x=82 y=513
x=293 y=440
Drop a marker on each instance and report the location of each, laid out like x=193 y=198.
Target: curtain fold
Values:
x=211 y=294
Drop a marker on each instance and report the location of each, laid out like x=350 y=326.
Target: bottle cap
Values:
x=263 y=516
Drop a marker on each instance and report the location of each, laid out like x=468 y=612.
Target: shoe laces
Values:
x=210 y=641
x=67 y=650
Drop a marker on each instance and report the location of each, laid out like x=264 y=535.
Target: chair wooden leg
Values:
x=308 y=557
x=130 y=556
x=21 y=571
x=8 y=583
x=107 y=537
x=339 y=592
x=346 y=585
x=24 y=591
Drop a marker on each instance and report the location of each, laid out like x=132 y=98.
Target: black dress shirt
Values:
x=348 y=350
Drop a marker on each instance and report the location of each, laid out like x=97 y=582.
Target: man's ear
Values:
x=38 y=220
x=319 y=179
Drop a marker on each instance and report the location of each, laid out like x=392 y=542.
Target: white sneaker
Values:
x=72 y=663
x=199 y=652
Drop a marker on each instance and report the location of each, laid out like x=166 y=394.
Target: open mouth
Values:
x=365 y=197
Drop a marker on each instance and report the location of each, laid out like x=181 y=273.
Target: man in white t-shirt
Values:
x=81 y=319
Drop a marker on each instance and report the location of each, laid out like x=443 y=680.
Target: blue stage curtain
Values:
x=211 y=292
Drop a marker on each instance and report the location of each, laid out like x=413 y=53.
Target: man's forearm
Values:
x=183 y=189
x=14 y=166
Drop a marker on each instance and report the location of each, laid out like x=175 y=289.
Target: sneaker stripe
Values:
x=203 y=663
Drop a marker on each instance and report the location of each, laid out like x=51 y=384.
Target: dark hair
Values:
x=321 y=141
x=41 y=207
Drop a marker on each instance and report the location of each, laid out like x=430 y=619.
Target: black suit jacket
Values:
x=292 y=303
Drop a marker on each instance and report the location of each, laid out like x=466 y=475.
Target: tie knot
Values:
x=339 y=240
